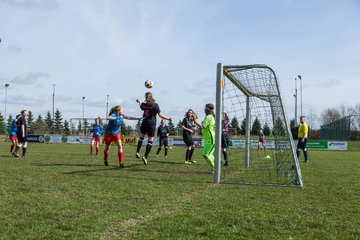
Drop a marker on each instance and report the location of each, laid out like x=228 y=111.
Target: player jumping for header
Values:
x=148 y=125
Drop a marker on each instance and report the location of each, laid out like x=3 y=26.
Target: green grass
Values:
x=60 y=192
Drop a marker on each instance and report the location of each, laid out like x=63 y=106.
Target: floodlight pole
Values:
x=6 y=86
x=295 y=95
x=83 y=114
x=53 y=102
x=107 y=106
x=301 y=112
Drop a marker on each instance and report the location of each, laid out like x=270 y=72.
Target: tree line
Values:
x=40 y=125
x=57 y=125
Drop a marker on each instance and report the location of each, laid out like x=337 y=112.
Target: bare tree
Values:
x=330 y=115
x=351 y=111
x=312 y=119
x=346 y=110
x=357 y=109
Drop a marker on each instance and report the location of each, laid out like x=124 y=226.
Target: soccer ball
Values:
x=267 y=157
x=149 y=83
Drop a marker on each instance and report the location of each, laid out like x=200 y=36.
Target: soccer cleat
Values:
x=121 y=165
x=156 y=155
x=187 y=162
x=137 y=155
x=16 y=155
x=144 y=160
x=106 y=163
x=192 y=161
x=165 y=156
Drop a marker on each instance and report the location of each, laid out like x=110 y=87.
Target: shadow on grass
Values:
x=67 y=164
x=128 y=168
x=135 y=168
x=165 y=162
x=171 y=172
x=102 y=167
x=7 y=156
x=147 y=177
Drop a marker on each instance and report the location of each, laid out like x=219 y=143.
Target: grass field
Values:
x=60 y=192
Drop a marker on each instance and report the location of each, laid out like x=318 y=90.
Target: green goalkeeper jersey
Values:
x=208 y=129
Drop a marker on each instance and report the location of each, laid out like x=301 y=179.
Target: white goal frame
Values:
x=222 y=72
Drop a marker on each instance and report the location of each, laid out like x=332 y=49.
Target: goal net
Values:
x=251 y=97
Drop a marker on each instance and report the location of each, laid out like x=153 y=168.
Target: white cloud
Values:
x=32 y=3
x=96 y=48
x=15 y=49
x=331 y=83
x=30 y=78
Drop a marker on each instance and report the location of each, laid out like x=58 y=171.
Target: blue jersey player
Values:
x=13 y=136
x=112 y=133
x=96 y=136
x=261 y=140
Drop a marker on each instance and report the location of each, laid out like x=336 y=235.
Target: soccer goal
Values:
x=251 y=96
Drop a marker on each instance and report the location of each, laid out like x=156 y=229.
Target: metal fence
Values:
x=346 y=128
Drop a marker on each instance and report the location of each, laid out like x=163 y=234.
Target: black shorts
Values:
x=188 y=141
x=302 y=145
x=22 y=139
x=148 y=128
x=187 y=138
x=163 y=142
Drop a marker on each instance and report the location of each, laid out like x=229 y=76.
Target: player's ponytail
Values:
x=114 y=109
x=225 y=117
x=111 y=111
x=149 y=98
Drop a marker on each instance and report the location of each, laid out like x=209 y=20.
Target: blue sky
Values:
x=95 y=48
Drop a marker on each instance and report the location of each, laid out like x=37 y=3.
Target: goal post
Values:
x=218 y=121
x=249 y=94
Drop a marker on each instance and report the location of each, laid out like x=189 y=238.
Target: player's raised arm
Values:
x=164 y=117
x=110 y=118
x=131 y=118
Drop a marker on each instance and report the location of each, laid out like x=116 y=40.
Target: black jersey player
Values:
x=148 y=126
x=188 y=130
x=163 y=133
